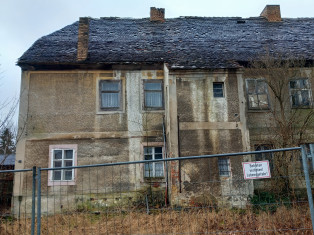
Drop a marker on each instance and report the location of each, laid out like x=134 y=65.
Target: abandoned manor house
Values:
x=123 y=89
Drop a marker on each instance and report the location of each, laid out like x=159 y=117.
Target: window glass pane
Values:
x=153 y=99
x=148 y=157
x=303 y=84
x=57 y=154
x=305 y=97
x=110 y=86
x=263 y=101
x=295 y=98
x=253 y=101
x=158 y=149
x=67 y=175
x=110 y=100
x=68 y=163
x=158 y=156
x=57 y=164
x=148 y=150
x=56 y=175
x=251 y=86
x=261 y=88
x=148 y=169
x=159 y=171
x=293 y=84
x=152 y=86
x=68 y=154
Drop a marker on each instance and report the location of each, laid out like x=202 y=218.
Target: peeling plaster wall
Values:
x=210 y=125
x=63 y=108
x=261 y=123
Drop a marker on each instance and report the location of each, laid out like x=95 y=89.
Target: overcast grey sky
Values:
x=22 y=22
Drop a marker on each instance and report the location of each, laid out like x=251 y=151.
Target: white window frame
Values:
x=299 y=91
x=151 y=108
x=52 y=148
x=153 y=174
x=222 y=172
x=258 y=102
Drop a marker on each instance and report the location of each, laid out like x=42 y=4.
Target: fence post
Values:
x=33 y=200
x=38 y=200
x=308 y=184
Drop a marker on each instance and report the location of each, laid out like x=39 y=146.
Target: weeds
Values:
x=167 y=221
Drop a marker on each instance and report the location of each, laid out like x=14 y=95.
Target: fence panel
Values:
x=16 y=210
x=136 y=198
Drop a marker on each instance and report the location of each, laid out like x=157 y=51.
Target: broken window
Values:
x=264 y=156
x=153 y=169
x=62 y=156
x=257 y=93
x=300 y=93
x=153 y=94
x=218 y=89
x=224 y=166
x=110 y=94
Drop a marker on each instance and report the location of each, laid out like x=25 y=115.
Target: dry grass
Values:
x=196 y=221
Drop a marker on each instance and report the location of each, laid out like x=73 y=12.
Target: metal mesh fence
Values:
x=117 y=198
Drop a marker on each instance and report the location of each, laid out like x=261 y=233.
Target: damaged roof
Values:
x=183 y=43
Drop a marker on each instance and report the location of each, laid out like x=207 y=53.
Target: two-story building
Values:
x=121 y=89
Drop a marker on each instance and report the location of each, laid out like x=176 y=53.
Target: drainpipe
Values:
x=166 y=163
x=179 y=154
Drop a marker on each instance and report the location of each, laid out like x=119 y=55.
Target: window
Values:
x=62 y=156
x=110 y=94
x=300 y=93
x=257 y=94
x=153 y=94
x=265 y=156
x=224 y=166
x=218 y=89
x=153 y=169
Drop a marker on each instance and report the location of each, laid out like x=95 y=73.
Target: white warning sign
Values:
x=256 y=170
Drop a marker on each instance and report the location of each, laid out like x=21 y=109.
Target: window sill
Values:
x=258 y=110
x=103 y=112
x=302 y=107
x=153 y=110
x=154 y=179
x=61 y=183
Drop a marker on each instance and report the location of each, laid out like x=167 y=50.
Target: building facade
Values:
x=115 y=90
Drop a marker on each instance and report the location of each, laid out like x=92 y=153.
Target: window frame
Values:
x=150 y=108
x=63 y=147
x=257 y=94
x=222 y=88
x=228 y=164
x=299 y=95
x=120 y=93
x=265 y=156
x=153 y=176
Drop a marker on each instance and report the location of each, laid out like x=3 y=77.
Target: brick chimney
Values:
x=157 y=14
x=83 y=34
x=272 y=13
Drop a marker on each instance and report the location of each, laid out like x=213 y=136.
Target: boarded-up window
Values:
x=257 y=93
x=110 y=94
